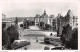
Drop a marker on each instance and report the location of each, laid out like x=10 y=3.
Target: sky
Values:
x=30 y=9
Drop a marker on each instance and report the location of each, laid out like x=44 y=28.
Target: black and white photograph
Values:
x=40 y=26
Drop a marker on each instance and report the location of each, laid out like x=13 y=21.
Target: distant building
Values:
x=6 y=23
x=63 y=21
x=43 y=18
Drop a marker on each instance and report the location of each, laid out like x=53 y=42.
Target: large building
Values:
x=7 y=22
x=63 y=21
x=44 y=18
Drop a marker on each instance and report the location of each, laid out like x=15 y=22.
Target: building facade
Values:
x=43 y=18
x=63 y=21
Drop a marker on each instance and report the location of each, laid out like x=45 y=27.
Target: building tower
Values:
x=70 y=17
x=44 y=12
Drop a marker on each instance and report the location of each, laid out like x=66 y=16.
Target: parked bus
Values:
x=52 y=40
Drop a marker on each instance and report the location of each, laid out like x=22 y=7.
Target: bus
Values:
x=52 y=40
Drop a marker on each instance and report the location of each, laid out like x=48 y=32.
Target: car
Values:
x=20 y=43
x=52 y=40
x=48 y=47
x=58 y=48
x=51 y=47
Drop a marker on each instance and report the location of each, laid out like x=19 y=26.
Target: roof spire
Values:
x=69 y=13
x=44 y=12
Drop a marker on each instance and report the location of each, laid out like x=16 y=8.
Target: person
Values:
x=51 y=34
x=36 y=40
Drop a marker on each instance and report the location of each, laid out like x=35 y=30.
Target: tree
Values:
x=69 y=37
x=41 y=25
x=54 y=24
x=13 y=33
x=74 y=39
x=26 y=23
x=16 y=21
x=9 y=35
x=47 y=26
x=32 y=23
x=5 y=38
x=66 y=35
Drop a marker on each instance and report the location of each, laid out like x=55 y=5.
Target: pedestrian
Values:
x=51 y=34
x=36 y=40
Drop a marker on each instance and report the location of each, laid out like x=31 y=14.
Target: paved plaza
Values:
x=34 y=45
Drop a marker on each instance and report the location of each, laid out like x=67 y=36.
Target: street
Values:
x=34 y=45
